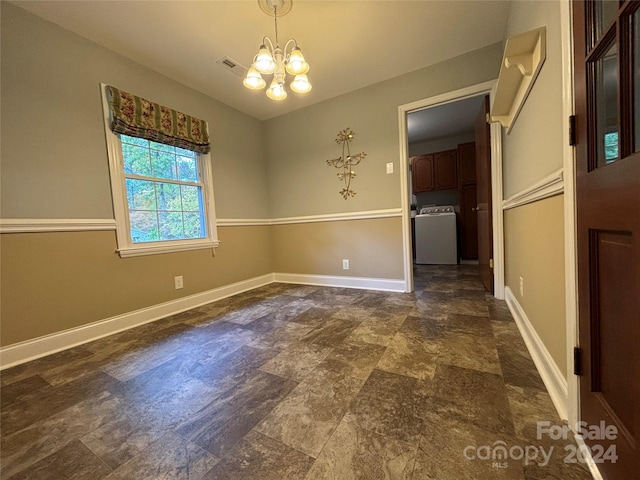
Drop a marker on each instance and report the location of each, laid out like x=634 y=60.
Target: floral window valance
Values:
x=137 y=117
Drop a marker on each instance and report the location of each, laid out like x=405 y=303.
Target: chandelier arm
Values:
x=290 y=41
x=267 y=42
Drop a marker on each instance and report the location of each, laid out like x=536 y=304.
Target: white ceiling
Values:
x=455 y=118
x=349 y=44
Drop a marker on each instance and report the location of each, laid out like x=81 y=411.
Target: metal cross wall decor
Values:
x=346 y=162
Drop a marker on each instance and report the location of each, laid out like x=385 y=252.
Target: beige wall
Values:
x=440 y=144
x=533 y=149
x=53 y=134
x=299 y=143
x=56 y=281
x=373 y=248
x=54 y=165
x=534 y=233
x=534 y=248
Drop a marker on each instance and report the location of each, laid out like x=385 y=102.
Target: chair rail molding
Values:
x=549 y=186
x=33 y=225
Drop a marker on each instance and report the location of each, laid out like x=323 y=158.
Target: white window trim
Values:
x=126 y=248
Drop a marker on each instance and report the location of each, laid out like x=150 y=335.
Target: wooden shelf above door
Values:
x=524 y=55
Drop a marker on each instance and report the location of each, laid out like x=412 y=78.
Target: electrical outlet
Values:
x=345 y=264
x=178 y=282
x=390 y=167
x=521 y=287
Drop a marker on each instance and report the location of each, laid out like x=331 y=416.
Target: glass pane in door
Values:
x=606 y=106
x=605 y=13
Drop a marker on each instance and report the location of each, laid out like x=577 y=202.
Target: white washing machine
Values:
x=436 y=238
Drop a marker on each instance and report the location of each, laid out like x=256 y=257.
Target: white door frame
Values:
x=570 y=249
x=496 y=180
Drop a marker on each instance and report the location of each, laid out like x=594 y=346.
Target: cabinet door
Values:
x=467 y=163
x=445 y=170
x=422 y=173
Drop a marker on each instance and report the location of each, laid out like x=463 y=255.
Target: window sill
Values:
x=155 y=249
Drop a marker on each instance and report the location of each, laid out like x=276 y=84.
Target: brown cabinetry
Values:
x=445 y=170
x=422 y=173
x=435 y=171
x=468 y=201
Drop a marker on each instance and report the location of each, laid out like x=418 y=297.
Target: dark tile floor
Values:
x=293 y=382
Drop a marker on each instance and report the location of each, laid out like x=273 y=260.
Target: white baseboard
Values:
x=46 y=345
x=551 y=375
x=383 y=284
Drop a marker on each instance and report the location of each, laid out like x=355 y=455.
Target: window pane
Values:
x=164 y=164
x=144 y=226
x=134 y=141
x=168 y=196
x=187 y=169
x=141 y=194
x=193 y=225
x=605 y=11
x=171 y=227
x=636 y=77
x=191 y=198
x=185 y=153
x=136 y=160
x=162 y=147
x=606 y=102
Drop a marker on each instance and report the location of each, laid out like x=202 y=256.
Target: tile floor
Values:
x=293 y=382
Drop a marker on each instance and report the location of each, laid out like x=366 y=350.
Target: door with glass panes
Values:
x=607 y=95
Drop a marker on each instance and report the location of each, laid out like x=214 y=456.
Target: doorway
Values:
x=442 y=137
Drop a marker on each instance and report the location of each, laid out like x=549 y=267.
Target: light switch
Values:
x=390 y=167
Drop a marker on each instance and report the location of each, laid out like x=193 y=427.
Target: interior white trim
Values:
x=496 y=183
x=551 y=375
x=32 y=225
x=243 y=222
x=496 y=210
x=46 y=345
x=570 y=257
x=383 y=284
x=334 y=217
x=549 y=186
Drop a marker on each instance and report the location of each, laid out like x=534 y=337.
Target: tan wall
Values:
x=299 y=143
x=55 y=281
x=373 y=247
x=534 y=248
x=534 y=233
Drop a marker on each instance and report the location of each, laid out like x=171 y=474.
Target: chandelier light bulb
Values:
x=297 y=64
x=264 y=61
x=276 y=91
x=254 y=80
x=301 y=84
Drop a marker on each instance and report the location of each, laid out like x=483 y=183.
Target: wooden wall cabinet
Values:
x=435 y=171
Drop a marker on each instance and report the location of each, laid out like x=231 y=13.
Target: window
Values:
x=162 y=194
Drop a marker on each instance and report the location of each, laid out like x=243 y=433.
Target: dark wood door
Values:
x=607 y=98
x=484 y=205
x=467 y=163
x=445 y=170
x=422 y=173
x=468 y=223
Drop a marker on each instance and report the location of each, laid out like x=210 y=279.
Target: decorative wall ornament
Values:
x=346 y=162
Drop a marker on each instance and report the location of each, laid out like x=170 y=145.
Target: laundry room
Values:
x=443 y=185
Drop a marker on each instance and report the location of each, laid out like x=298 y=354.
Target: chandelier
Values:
x=276 y=61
